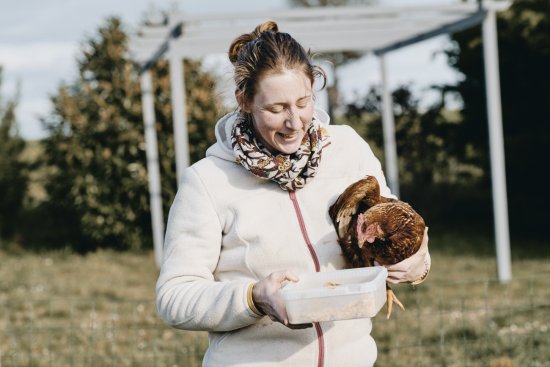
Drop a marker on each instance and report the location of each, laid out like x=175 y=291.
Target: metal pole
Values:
x=179 y=114
x=157 y=217
x=390 y=150
x=496 y=141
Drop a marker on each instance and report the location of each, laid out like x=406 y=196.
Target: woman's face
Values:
x=282 y=110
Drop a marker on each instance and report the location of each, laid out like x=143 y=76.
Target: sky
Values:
x=40 y=40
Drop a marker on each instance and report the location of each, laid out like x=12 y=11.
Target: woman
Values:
x=254 y=213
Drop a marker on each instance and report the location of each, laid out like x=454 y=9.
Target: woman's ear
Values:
x=241 y=101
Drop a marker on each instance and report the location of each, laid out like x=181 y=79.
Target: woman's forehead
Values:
x=288 y=85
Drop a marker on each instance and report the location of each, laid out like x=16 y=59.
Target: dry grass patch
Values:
x=63 y=309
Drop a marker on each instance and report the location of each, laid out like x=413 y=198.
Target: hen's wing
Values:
x=365 y=191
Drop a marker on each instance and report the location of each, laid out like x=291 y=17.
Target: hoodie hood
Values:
x=223 y=149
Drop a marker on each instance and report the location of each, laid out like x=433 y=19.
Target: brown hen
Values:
x=373 y=229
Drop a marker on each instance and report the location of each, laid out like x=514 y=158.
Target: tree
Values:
x=458 y=156
x=524 y=53
x=13 y=179
x=432 y=163
x=96 y=149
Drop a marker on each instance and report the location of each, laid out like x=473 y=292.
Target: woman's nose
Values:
x=293 y=120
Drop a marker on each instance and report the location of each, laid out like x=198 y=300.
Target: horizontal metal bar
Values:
x=460 y=25
x=303 y=14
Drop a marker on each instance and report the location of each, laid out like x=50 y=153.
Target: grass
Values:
x=462 y=315
x=63 y=309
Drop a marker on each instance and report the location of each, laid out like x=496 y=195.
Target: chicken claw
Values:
x=391 y=298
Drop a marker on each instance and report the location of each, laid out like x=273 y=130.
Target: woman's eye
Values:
x=276 y=109
x=302 y=104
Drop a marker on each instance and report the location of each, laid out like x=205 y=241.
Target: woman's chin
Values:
x=288 y=146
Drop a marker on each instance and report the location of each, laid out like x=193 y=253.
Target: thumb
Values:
x=288 y=275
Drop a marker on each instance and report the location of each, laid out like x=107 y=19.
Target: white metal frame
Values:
x=153 y=170
x=496 y=145
x=378 y=29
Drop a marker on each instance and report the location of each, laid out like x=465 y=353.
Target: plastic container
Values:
x=336 y=295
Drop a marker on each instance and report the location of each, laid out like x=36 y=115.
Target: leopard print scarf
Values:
x=290 y=171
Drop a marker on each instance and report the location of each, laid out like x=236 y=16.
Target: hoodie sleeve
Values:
x=188 y=296
x=369 y=164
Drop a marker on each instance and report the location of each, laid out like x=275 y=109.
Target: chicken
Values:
x=373 y=229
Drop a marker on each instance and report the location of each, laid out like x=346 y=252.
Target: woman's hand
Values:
x=267 y=297
x=414 y=269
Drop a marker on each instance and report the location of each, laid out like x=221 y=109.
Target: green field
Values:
x=63 y=309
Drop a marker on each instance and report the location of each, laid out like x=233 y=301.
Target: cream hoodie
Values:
x=227 y=228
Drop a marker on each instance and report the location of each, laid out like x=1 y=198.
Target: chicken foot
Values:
x=391 y=298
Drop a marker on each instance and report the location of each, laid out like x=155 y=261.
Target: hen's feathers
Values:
x=358 y=196
x=401 y=229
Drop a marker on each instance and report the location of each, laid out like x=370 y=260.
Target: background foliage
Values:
x=524 y=51
x=438 y=174
x=96 y=171
x=444 y=155
x=13 y=177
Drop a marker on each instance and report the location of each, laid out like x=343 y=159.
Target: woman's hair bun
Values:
x=269 y=26
x=242 y=40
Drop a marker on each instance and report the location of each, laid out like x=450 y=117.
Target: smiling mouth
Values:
x=289 y=136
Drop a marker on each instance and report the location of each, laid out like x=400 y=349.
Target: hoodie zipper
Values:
x=318 y=329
